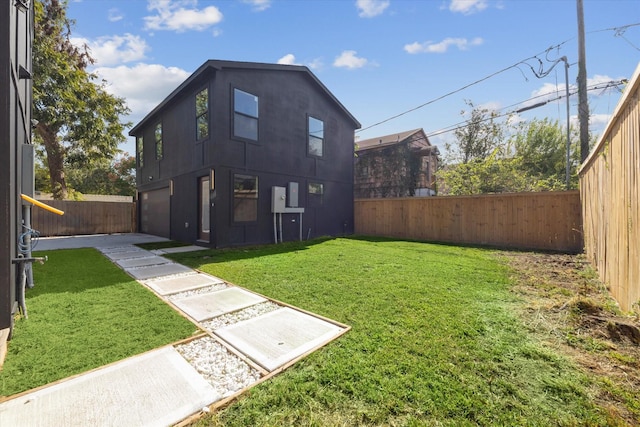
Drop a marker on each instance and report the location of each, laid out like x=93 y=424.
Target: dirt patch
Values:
x=569 y=309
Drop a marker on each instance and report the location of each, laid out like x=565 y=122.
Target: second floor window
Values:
x=315 y=145
x=158 y=134
x=140 y=151
x=245 y=117
x=202 y=114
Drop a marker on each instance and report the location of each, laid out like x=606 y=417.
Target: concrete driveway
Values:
x=94 y=241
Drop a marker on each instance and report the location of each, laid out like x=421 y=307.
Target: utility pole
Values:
x=583 y=102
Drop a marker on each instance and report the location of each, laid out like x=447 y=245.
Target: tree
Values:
x=75 y=114
x=534 y=159
x=115 y=177
x=478 y=139
x=542 y=146
x=495 y=174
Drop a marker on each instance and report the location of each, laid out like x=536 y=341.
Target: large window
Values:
x=158 y=134
x=316 y=137
x=140 y=151
x=202 y=114
x=245 y=118
x=245 y=198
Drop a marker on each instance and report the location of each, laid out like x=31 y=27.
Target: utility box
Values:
x=293 y=195
x=28 y=183
x=278 y=199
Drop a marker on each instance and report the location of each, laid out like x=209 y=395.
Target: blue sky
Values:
x=380 y=58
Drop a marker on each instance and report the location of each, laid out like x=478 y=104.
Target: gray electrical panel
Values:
x=28 y=183
x=293 y=195
x=278 y=199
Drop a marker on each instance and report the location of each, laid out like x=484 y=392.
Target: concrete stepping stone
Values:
x=278 y=337
x=133 y=253
x=179 y=249
x=120 y=248
x=206 y=306
x=158 y=388
x=142 y=273
x=142 y=261
x=187 y=282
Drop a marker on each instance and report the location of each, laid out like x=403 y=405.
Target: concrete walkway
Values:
x=167 y=385
x=94 y=241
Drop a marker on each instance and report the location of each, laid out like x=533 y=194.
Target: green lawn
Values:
x=434 y=340
x=84 y=312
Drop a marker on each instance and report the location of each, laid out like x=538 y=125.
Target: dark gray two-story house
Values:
x=233 y=141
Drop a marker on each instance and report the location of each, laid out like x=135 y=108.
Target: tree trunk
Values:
x=55 y=160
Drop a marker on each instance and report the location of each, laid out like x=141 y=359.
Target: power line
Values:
x=522 y=62
x=464 y=123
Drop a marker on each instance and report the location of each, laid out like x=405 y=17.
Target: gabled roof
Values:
x=392 y=139
x=214 y=64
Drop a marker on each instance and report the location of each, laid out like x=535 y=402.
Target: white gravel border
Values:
x=240 y=315
x=204 y=290
x=225 y=371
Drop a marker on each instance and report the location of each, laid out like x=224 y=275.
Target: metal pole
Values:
x=583 y=102
x=566 y=81
x=26 y=217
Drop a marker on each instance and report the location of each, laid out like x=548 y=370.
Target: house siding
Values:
x=279 y=156
x=16 y=35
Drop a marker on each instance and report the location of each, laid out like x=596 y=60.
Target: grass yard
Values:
x=84 y=312
x=435 y=340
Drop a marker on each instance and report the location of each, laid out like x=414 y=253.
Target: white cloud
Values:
x=180 y=16
x=443 y=46
x=115 y=15
x=371 y=8
x=490 y=105
x=288 y=59
x=467 y=7
x=316 y=64
x=143 y=86
x=602 y=82
x=599 y=121
x=112 y=50
x=258 y=5
x=549 y=91
x=348 y=59
x=599 y=79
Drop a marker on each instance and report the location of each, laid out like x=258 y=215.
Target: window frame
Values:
x=201 y=114
x=310 y=136
x=158 y=141
x=315 y=199
x=140 y=150
x=255 y=198
x=245 y=115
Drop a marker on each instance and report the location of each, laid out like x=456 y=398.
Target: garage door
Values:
x=155 y=212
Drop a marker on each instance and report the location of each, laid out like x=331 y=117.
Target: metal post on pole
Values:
x=566 y=84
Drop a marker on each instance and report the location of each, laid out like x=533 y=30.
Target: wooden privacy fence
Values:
x=84 y=218
x=610 y=187
x=542 y=221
